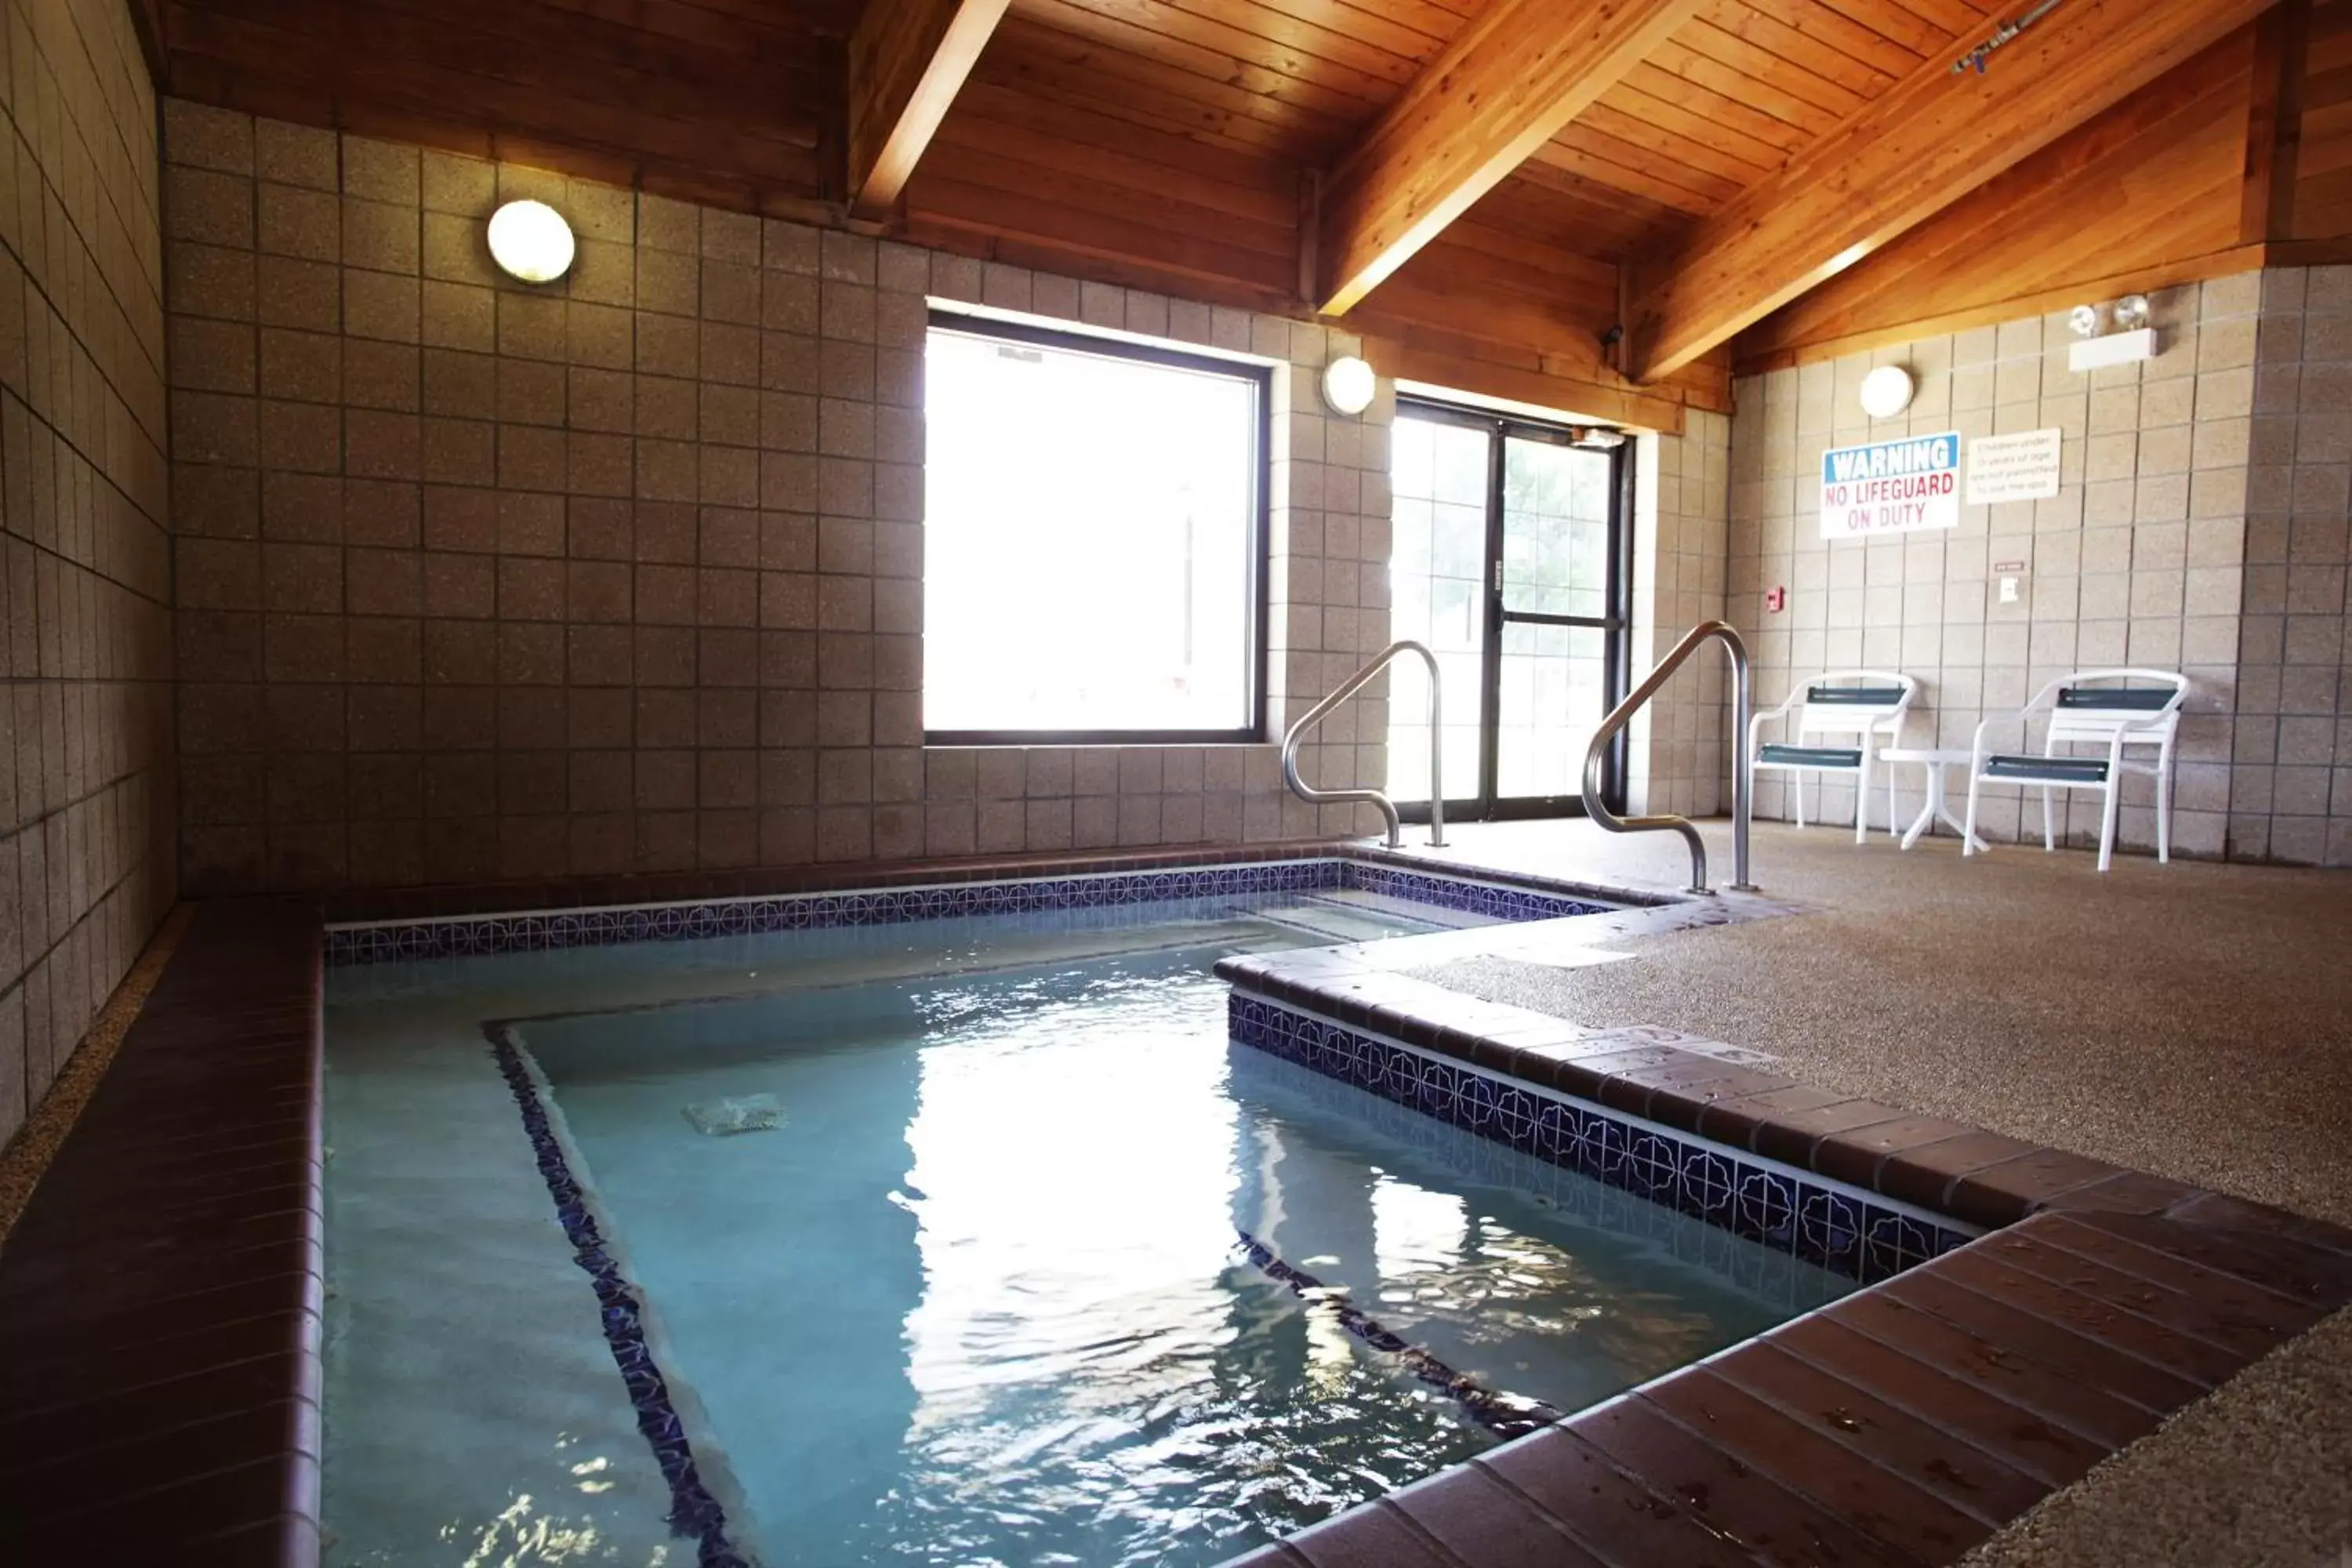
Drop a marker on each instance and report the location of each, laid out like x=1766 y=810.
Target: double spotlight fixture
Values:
x=2109 y=336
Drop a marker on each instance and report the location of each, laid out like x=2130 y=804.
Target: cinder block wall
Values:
x=85 y=790
x=2291 y=758
x=483 y=581
x=1678 y=753
x=2141 y=559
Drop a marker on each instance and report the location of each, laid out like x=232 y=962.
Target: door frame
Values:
x=1615 y=623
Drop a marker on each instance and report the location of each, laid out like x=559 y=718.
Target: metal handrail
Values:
x=1346 y=689
x=1743 y=700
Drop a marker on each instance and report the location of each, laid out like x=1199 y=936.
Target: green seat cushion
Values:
x=1810 y=756
x=2047 y=770
x=2144 y=699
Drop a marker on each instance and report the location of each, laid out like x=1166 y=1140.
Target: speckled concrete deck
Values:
x=2193 y=1020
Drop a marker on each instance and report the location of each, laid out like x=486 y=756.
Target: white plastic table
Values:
x=1934 y=760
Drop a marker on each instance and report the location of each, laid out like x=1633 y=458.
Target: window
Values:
x=1094 y=535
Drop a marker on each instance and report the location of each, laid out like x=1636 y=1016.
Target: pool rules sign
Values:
x=1891 y=487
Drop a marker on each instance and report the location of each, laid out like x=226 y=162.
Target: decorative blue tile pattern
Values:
x=1493 y=900
x=470 y=935
x=1766 y=1273
x=694 y=1513
x=1840 y=1229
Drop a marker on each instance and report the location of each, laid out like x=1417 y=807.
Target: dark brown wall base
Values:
x=160 y=1298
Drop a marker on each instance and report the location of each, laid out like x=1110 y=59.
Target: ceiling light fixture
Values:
x=530 y=240
x=1348 y=385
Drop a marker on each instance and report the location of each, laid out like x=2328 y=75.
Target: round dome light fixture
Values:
x=2132 y=313
x=1886 y=391
x=530 y=240
x=2088 y=320
x=1348 y=385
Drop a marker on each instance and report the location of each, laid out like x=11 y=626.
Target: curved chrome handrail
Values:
x=1743 y=700
x=1346 y=689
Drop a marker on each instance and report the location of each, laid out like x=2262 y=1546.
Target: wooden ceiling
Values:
x=1722 y=102
x=1743 y=86
x=1294 y=80
x=732 y=102
x=1504 y=180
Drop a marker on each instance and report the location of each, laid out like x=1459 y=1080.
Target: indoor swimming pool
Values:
x=949 y=1241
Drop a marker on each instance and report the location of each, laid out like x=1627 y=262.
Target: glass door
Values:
x=1438 y=576
x=1557 y=674
x=1509 y=562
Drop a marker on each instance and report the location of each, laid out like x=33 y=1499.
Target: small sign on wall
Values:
x=2024 y=467
x=1891 y=487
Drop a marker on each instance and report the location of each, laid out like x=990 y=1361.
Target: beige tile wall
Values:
x=2141 y=558
x=85 y=797
x=480 y=580
x=1677 y=759
x=2291 y=786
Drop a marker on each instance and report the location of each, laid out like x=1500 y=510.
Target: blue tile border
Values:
x=1791 y=1285
x=1497 y=900
x=1851 y=1233
x=694 y=1513
x=532 y=932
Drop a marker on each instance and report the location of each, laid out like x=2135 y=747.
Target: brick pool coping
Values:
x=161 y=1296
x=1903 y=1424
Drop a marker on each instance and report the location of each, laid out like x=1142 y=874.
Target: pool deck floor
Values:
x=2193 y=1020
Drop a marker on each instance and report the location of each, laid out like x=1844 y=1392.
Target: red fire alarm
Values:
x=1775 y=599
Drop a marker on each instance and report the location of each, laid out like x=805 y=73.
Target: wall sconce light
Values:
x=530 y=240
x=2096 y=348
x=1886 y=391
x=1348 y=385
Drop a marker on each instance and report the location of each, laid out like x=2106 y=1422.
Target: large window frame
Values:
x=1615 y=623
x=1259 y=378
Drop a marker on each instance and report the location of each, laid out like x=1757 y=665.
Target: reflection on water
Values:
x=1101 y=1377
x=980 y=1301
x=527 y=1534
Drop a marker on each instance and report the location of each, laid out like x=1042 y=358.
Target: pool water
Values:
x=1024 y=1263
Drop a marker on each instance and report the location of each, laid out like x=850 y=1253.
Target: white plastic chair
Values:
x=2113 y=717
x=1839 y=704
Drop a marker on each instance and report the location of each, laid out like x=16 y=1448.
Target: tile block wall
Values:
x=1678 y=749
x=2291 y=774
x=2141 y=559
x=480 y=580
x=85 y=792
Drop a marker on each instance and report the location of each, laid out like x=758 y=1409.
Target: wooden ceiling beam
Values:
x=2274 y=123
x=1501 y=89
x=907 y=60
x=1927 y=142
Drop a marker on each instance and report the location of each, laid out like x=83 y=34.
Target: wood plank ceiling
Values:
x=1724 y=103
x=737 y=102
x=1168 y=143
x=1086 y=118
